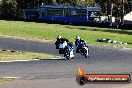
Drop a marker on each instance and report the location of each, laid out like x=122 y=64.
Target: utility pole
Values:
x=122 y=12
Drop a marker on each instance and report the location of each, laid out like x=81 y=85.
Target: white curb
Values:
x=11 y=77
x=20 y=60
x=29 y=60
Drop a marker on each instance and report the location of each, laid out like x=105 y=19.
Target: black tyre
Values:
x=85 y=53
x=61 y=51
x=77 y=50
x=67 y=56
x=81 y=80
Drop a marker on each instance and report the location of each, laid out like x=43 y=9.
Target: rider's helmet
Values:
x=77 y=38
x=82 y=40
x=59 y=37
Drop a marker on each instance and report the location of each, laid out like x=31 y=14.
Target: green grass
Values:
x=11 y=56
x=5 y=81
x=50 y=31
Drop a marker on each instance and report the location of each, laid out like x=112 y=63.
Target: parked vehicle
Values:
x=68 y=14
x=63 y=14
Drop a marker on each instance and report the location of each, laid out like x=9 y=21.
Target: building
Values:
x=128 y=18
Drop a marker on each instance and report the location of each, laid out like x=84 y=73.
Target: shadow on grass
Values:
x=130 y=43
x=119 y=31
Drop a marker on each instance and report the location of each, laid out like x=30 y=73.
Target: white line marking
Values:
x=11 y=77
x=30 y=60
x=20 y=60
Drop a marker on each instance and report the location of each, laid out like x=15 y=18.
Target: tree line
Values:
x=14 y=9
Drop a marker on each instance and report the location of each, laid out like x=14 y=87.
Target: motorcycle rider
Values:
x=82 y=45
x=69 y=49
x=79 y=44
x=77 y=40
x=83 y=42
x=70 y=46
x=59 y=40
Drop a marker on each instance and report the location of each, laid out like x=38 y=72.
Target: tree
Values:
x=77 y=2
x=9 y=9
x=48 y=2
x=105 y=6
x=88 y=3
x=0 y=8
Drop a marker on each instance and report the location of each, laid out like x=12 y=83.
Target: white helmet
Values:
x=77 y=37
x=59 y=36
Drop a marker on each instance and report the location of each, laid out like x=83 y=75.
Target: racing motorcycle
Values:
x=63 y=49
x=69 y=54
x=85 y=51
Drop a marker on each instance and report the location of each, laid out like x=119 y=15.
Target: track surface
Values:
x=61 y=73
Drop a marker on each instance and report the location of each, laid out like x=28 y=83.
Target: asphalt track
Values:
x=61 y=73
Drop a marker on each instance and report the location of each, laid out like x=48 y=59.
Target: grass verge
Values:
x=50 y=31
x=11 y=56
x=5 y=81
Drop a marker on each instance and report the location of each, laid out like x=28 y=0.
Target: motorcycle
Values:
x=85 y=51
x=69 y=54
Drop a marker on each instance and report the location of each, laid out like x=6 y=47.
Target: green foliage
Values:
x=48 y=2
x=13 y=9
x=9 y=9
x=116 y=6
x=24 y=4
x=0 y=8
